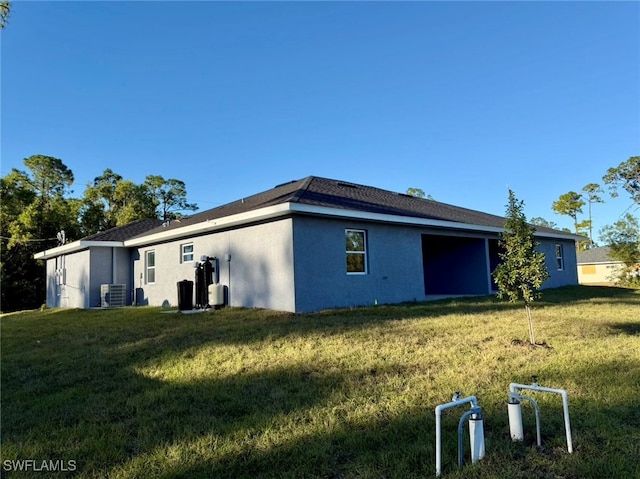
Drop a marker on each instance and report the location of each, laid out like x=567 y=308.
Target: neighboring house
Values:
x=302 y=246
x=595 y=266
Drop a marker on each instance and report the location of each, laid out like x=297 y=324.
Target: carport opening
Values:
x=457 y=265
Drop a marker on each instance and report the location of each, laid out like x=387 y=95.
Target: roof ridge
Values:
x=303 y=189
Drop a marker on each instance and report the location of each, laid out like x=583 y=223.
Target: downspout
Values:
x=113 y=265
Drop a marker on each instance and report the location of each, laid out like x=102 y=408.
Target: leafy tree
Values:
x=113 y=201
x=16 y=193
x=5 y=10
x=623 y=237
x=569 y=204
x=47 y=182
x=418 y=193
x=169 y=196
x=539 y=221
x=627 y=176
x=133 y=203
x=33 y=211
x=522 y=269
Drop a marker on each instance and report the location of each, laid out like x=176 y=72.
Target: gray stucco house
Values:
x=302 y=246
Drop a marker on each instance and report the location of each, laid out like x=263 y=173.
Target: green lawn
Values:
x=242 y=393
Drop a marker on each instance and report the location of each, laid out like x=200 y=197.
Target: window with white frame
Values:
x=186 y=253
x=150 y=266
x=559 y=257
x=356 y=250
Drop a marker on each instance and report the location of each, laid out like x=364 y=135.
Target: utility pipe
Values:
x=476 y=412
x=515 y=417
x=513 y=387
x=476 y=438
x=455 y=402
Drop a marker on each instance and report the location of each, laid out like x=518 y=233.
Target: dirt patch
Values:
x=527 y=344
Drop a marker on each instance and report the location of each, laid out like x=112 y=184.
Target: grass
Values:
x=339 y=394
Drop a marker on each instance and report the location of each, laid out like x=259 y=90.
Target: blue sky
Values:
x=460 y=99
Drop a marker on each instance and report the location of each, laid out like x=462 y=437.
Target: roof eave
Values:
x=389 y=218
x=260 y=214
x=416 y=221
x=284 y=209
x=75 y=247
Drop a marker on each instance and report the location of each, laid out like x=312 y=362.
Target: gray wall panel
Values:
x=75 y=290
x=567 y=276
x=394 y=265
x=260 y=273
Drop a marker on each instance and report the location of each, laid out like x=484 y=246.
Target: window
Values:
x=356 y=248
x=559 y=257
x=186 y=253
x=151 y=266
x=589 y=269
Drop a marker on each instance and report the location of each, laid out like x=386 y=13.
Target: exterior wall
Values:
x=599 y=273
x=395 y=271
x=259 y=274
x=101 y=273
x=569 y=274
x=73 y=292
x=83 y=273
x=109 y=266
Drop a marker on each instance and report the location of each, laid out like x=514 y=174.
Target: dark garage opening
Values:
x=454 y=265
x=494 y=260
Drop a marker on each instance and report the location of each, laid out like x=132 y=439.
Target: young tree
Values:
x=569 y=204
x=627 y=175
x=522 y=269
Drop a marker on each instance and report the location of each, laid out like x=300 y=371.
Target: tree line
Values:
x=37 y=206
x=623 y=237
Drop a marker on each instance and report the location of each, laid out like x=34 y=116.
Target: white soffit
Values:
x=75 y=247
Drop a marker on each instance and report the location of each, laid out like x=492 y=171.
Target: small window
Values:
x=186 y=251
x=559 y=257
x=356 y=249
x=151 y=267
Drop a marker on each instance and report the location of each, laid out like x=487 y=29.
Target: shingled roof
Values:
x=596 y=255
x=123 y=233
x=324 y=192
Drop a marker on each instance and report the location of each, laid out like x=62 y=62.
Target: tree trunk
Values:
x=532 y=338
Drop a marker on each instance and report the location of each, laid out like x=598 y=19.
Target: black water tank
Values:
x=185 y=295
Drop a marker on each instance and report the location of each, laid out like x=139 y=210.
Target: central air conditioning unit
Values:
x=113 y=295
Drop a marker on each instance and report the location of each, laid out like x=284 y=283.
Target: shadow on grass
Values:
x=570 y=294
x=73 y=391
x=632 y=329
